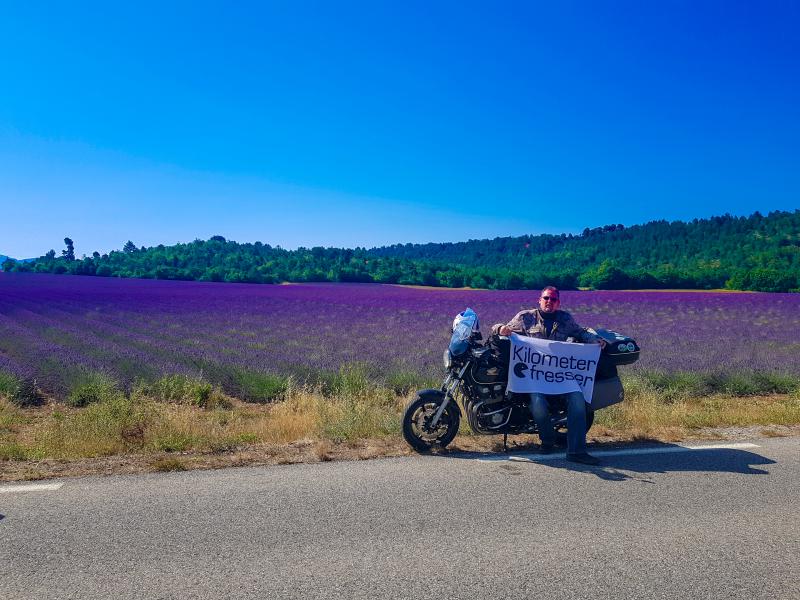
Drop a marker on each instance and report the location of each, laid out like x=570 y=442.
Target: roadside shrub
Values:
x=21 y=392
x=352 y=381
x=777 y=383
x=8 y=384
x=182 y=389
x=679 y=386
x=93 y=387
x=756 y=383
x=27 y=394
x=402 y=382
x=741 y=385
x=261 y=387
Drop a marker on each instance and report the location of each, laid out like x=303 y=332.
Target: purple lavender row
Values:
x=52 y=325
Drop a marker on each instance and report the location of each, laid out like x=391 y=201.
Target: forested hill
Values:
x=755 y=252
x=749 y=253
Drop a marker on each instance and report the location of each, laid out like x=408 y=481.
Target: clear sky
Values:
x=370 y=123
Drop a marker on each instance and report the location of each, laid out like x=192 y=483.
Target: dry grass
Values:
x=139 y=423
x=646 y=414
x=168 y=464
x=11 y=416
x=316 y=424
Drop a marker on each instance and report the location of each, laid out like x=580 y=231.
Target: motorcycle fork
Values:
x=448 y=394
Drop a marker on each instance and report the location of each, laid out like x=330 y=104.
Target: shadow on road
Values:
x=656 y=457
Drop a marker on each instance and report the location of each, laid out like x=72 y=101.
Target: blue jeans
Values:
x=576 y=421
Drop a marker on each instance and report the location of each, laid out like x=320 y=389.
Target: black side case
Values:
x=620 y=349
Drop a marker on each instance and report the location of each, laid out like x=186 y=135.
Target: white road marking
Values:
x=536 y=457
x=29 y=487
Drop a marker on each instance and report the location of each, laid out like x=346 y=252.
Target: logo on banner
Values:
x=550 y=367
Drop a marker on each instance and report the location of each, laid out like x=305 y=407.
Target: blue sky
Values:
x=372 y=123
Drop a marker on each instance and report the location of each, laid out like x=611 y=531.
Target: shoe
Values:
x=546 y=449
x=583 y=458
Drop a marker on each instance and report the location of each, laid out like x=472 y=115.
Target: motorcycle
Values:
x=475 y=387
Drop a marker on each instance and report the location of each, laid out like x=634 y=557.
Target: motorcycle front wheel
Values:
x=417 y=429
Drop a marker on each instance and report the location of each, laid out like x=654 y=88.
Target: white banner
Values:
x=549 y=367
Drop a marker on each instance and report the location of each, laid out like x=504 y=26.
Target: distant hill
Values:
x=745 y=253
x=4 y=258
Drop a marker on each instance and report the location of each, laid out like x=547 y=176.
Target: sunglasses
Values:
x=553 y=298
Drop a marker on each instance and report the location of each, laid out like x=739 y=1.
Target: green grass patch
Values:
x=680 y=386
x=182 y=389
x=8 y=384
x=258 y=387
x=351 y=381
x=404 y=382
x=758 y=383
x=93 y=387
x=357 y=418
x=12 y=451
x=174 y=441
x=358 y=407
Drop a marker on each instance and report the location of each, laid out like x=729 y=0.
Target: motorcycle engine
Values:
x=486 y=383
x=492 y=392
x=492 y=416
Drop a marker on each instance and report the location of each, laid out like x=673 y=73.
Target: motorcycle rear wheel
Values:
x=416 y=424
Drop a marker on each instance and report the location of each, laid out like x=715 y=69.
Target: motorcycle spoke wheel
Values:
x=421 y=423
x=417 y=429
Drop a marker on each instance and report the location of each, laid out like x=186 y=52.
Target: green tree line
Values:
x=744 y=253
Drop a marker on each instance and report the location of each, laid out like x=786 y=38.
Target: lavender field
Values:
x=54 y=328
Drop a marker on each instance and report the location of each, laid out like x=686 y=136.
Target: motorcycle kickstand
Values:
x=505 y=442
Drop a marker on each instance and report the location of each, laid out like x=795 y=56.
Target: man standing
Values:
x=549 y=322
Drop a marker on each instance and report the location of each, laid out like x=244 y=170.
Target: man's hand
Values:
x=505 y=330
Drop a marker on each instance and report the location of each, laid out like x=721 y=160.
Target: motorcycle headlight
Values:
x=448 y=359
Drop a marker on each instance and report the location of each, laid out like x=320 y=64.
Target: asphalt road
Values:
x=710 y=523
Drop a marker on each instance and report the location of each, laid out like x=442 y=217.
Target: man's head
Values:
x=549 y=299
